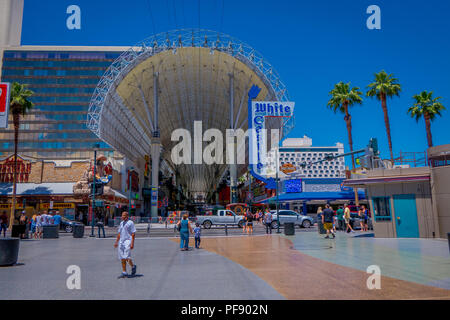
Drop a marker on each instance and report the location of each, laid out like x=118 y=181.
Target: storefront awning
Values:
x=37 y=189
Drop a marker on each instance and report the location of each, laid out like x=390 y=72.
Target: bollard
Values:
x=448 y=237
x=226 y=230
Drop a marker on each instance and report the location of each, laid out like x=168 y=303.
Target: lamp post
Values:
x=276 y=203
x=129 y=191
x=93 y=190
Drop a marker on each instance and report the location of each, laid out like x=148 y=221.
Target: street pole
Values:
x=93 y=194
x=276 y=180
x=129 y=191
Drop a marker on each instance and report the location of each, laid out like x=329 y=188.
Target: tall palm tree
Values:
x=385 y=86
x=20 y=105
x=428 y=108
x=342 y=98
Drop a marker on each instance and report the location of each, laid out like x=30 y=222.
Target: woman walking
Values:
x=250 y=218
x=184 y=227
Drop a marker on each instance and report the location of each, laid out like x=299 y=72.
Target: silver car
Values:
x=291 y=216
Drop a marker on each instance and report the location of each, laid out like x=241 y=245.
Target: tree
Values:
x=428 y=108
x=385 y=86
x=20 y=105
x=342 y=98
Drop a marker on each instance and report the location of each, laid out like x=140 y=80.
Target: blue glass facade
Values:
x=63 y=83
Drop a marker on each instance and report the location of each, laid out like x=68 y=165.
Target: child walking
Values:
x=197 y=235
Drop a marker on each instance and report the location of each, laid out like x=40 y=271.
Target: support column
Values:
x=155 y=148
x=233 y=166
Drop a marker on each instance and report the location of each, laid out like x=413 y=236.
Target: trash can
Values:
x=9 y=251
x=289 y=229
x=320 y=227
x=78 y=231
x=16 y=230
x=50 y=232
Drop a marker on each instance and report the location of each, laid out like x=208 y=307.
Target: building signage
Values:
x=134 y=177
x=7 y=170
x=154 y=197
x=288 y=168
x=4 y=104
x=56 y=205
x=260 y=110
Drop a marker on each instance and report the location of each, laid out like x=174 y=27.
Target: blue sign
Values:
x=294 y=185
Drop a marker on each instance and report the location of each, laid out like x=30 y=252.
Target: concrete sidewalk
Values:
x=167 y=272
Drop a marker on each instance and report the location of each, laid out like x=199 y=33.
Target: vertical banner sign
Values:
x=260 y=110
x=154 y=197
x=4 y=104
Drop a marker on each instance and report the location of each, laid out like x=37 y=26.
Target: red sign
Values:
x=7 y=170
x=3 y=97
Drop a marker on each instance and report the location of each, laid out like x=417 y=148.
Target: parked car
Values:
x=221 y=216
x=299 y=220
x=67 y=225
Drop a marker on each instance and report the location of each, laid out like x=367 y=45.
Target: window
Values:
x=382 y=208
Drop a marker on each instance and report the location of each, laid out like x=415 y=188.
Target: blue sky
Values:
x=312 y=44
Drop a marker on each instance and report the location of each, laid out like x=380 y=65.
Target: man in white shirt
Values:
x=125 y=242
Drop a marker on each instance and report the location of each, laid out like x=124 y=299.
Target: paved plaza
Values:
x=304 y=266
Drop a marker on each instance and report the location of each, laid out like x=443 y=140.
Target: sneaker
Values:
x=333 y=235
x=327 y=237
x=123 y=275
x=133 y=270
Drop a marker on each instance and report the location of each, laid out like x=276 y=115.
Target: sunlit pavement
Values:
x=424 y=261
x=304 y=266
x=307 y=266
x=164 y=272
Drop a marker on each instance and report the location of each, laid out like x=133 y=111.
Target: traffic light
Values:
x=373 y=143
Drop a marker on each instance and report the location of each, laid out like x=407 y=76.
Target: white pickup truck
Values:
x=220 y=217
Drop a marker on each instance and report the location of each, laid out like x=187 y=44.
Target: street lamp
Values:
x=96 y=146
x=276 y=203
x=129 y=191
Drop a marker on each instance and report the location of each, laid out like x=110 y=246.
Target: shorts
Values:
x=39 y=228
x=365 y=221
x=33 y=229
x=347 y=221
x=124 y=249
x=328 y=225
x=250 y=224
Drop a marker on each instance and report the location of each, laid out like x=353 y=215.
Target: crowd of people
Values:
x=341 y=219
x=34 y=225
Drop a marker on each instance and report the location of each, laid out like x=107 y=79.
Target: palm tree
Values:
x=20 y=105
x=385 y=86
x=428 y=108
x=342 y=98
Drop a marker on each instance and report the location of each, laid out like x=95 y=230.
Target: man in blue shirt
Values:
x=56 y=219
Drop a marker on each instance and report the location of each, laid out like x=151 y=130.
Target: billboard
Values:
x=4 y=104
x=259 y=111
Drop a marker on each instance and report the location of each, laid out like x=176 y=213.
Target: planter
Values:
x=289 y=229
x=78 y=231
x=51 y=232
x=9 y=251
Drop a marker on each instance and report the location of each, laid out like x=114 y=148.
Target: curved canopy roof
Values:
x=194 y=69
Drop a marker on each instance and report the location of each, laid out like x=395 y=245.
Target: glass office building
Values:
x=63 y=83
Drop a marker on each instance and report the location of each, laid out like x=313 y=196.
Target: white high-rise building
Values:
x=300 y=150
